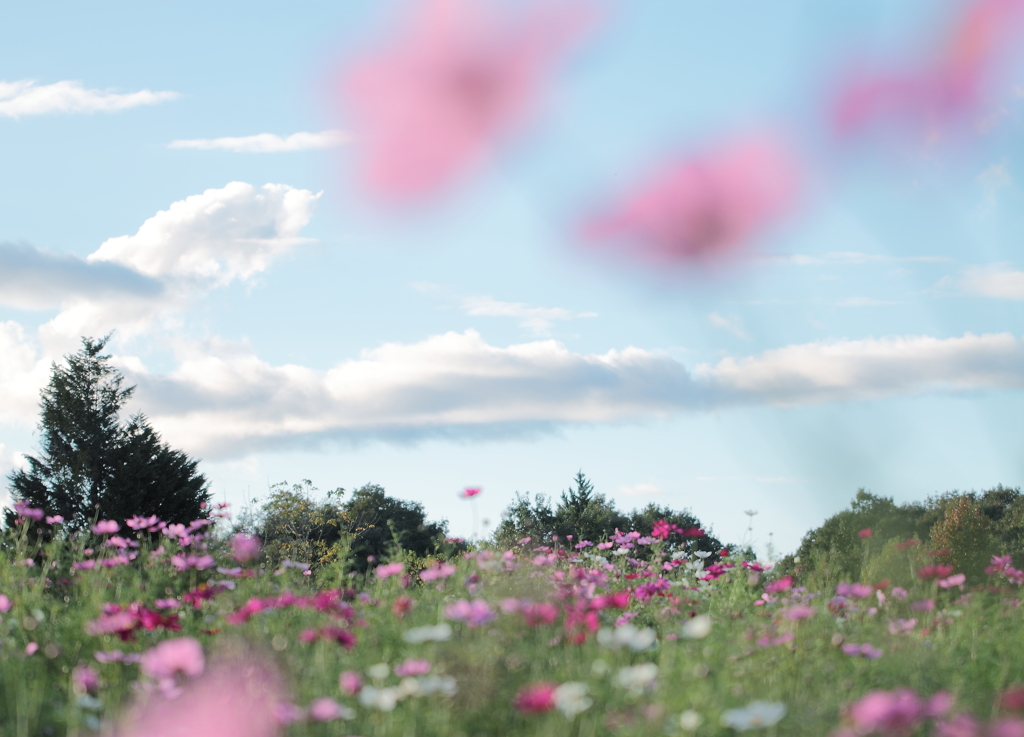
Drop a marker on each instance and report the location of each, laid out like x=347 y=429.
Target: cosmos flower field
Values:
x=155 y=629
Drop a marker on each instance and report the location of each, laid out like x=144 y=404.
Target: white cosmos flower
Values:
x=627 y=635
x=637 y=678
x=382 y=699
x=429 y=633
x=444 y=685
x=571 y=698
x=689 y=720
x=379 y=672
x=697 y=628
x=754 y=715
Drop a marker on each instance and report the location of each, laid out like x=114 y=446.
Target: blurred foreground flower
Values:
x=430 y=105
x=755 y=715
x=236 y=697
x=702 y=208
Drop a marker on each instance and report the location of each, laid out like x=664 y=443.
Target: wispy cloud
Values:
x=538 y=320
x=25 y=97
x=264 y=143
x=640 y=490
x=864 y=302
x=850 y=258
x=730 y=325
x=997 y=282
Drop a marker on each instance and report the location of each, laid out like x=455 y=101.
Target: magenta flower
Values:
x=5 y=603
x=55 y=519
x=783 y=584
x=106 y=527
x=85 y=680
x=199 y=562
x=475 y=613
x=865 y=533
x=181 y=655
x=27 y=512
x=412 y=667
x=702 y=208
x=897 y=712
x=536 y=698
x=244 y=548
x=799 y=611
x=391 y=569
x=469 y=493
x=1006 y=728
x=866 y=650
x=431 y=106
x=956 y=579
x=325 y=710
x=924 y=605
x=855 y=590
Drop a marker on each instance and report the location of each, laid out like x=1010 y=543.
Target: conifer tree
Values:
x=91 y=463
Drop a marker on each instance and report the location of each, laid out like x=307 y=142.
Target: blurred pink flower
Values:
x=702 y=208
x=170 y=657
x=855 y=590
x=536 y=698
x=799 y=611
x=412 y=667
x=391 y=569
x=5 y=603
x=24 y=510
x=1006 y=728
x=106 y=527
x=439 y=571
x=475 y=613
x=956 y=579
x=350 y=682
x=236 y=697
x=469 y=493
x=895 y=712
x=84 y=680
x=865 y=533
x=55 y=519
x=199 y=562
x=244 y=548
x=783 y=584
x=866 y=650
x=325 y=710
x=31 y=648
x=429 y=107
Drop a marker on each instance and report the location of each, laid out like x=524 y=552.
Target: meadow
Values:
x=156 y=629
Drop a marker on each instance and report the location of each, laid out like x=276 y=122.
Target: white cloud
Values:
x=640 y=490
x=217 y=236
x=34 y=279
x=23 y=371
x=993 y=180
x=863 y=302
x=457 y=385
x=26 y=98
x=849 y=258
x=851 y=370
x=994 y=281
x=730 y=325
x=267 y=142
x=538 y=320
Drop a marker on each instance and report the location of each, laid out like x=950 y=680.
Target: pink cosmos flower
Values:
x=799 y=611
x=536 y=698
x=866 y=650
x=538 y=613
x=439 y=571
x=475 y=613
x=27 y=512
x=5 y=603
x=865 y=533
x=702 y=208
x=85 y=680
x=957 y=579
x=1006 y=728
x=105 y=527
x=143 y=523
x=32 y=648
x=244 y=548
x=350 y=682
x=412 y=667
x=960 y=725
x=325 y=710
x=855 y=590
x=924 y=605
x=236 y=697
x=199 y=562
x=181 y=655
x=391 y=569
x=470 y=493
x=783 y=584
x=901 y=626
x=894 y=712
x=55 y=519
x=430 y=106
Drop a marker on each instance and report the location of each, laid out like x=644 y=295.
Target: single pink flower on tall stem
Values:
x=430 y=105
x=701 y=208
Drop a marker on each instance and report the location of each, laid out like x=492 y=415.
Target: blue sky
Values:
x=874 y=341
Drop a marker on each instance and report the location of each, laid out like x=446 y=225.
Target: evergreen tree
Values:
x=91 y=464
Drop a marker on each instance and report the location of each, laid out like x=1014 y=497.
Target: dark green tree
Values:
x=586 y=514
x=378 y=522
x=93 y=464
x=523 y=518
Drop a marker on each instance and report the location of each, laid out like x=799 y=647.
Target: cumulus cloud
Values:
x=264 y=143
x=25 y=97
x=23 y=370
x=217 y=236
x=34 y=279
x=997 y=282
x=229 y=403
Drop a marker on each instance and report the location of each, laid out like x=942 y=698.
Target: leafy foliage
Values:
x=92 y=464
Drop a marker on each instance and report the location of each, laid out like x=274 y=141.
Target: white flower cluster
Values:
x=571 y=698
x=755 y=715
x=627 y=635
x=429 y=633
x=386 y=698
x=637 y=678
x=698 y=627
